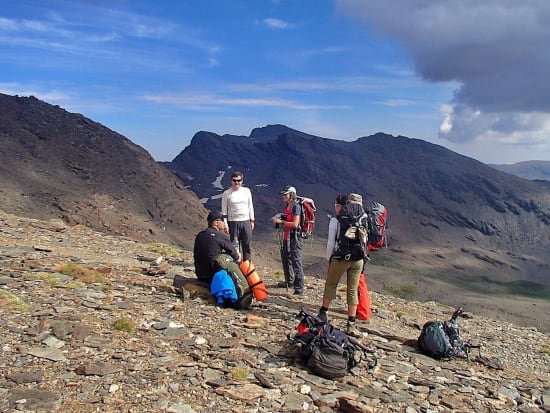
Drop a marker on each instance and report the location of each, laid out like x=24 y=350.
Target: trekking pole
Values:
x=468 y=346
x=279 y=238
x=287 y=246
x=457 y=312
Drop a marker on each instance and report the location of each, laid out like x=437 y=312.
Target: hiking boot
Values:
x=296 y=292
x=282 y=284
x=351 y=330
x=323 y=316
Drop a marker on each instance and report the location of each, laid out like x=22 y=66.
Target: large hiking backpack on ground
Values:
x=377 y=217
x=307 y=217
x=434 y=341
x=244 y=294
x=351 y=243
x=327 y=351
x=440 y=339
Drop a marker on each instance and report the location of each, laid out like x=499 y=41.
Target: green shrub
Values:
x=12 y=301
x=529 y=289
x=239 y=373
x=43 y=276
x=124 y=324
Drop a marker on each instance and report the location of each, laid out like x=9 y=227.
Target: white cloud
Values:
x=198 y=100
x=397 y=102
x=277 y=23
x=55 y=96
x=494 y=51
x=515 y=128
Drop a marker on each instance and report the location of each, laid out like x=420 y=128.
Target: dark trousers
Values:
x=291 y=256
x=240 y=234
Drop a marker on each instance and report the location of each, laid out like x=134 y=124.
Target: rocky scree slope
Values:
x=115 y=338
x=59 y=164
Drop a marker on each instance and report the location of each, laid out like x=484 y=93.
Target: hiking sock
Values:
x=323 y=314
x=351 y=319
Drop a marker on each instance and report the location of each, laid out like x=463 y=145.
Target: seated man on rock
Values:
x=208 y=244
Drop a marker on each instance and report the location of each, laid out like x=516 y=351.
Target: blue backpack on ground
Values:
x=223 y=288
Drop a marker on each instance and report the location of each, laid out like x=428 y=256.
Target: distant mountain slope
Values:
x=59 y=164
x=433 y=194
x=435 y=197
x=527 y=169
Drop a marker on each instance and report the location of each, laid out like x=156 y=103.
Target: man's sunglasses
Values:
x=237 y=180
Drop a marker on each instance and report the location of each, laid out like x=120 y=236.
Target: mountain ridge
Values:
x=438 y=173
x=55 y=163
x=532 y=170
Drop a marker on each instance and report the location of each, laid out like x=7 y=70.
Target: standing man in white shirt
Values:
x=238 y=211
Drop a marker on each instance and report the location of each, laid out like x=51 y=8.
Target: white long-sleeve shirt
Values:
x=237 y=205
x=332 y=234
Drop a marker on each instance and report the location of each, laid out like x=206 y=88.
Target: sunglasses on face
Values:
x=237 y=180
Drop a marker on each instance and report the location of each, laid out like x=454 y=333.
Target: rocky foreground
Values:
x=90 y=323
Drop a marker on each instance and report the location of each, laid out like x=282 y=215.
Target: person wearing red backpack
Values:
x=291 y=246
x=344 y=257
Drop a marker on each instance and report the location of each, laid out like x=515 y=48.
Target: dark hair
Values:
x=236 y=174
x=341 y=199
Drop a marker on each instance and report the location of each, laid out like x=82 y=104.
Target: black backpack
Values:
x=351 y=244
x=327 y=351
x=440 y=339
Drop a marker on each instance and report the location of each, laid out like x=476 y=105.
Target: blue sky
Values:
x=471 y=76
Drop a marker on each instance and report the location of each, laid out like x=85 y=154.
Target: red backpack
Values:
x=378 y=214
x=307 y=216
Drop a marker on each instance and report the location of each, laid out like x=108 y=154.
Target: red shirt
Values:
x=290 y=213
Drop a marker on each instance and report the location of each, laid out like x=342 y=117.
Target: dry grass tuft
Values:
x=239 y=373
x=80 y=273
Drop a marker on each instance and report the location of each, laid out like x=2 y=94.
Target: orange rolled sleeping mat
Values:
x=254 y=281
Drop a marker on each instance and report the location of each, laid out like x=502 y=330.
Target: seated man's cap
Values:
x=214 y=215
